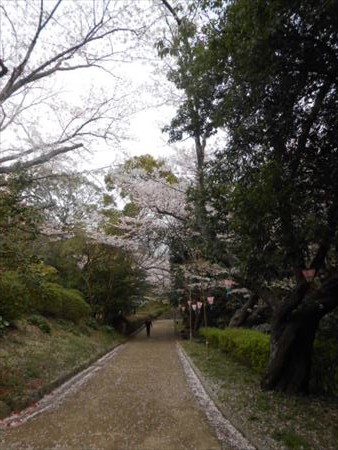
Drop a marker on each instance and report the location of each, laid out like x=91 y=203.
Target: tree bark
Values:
x=291 y=347
x=292 y=337
x=241 y=315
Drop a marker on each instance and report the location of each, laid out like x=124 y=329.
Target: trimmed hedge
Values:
x=251 y=348
x=248 y=347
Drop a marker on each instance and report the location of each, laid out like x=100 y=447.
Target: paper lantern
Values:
x=309 y=274
x=228 y=283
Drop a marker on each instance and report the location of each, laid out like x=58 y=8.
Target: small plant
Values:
x=92 y=323
x=291 y=440
x=4 y=324
x=40 y=322
x=107 y=329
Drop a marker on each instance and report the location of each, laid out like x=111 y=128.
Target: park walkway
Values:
x=138 y=400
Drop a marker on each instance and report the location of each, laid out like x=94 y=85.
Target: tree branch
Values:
x=173 y=12
x=39 y=159
x=3 y=69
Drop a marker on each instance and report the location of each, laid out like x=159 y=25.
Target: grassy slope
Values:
x=271 y=421
x=34 y=362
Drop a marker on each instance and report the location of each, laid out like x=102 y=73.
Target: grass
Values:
x=34 y=361
x=271 y=421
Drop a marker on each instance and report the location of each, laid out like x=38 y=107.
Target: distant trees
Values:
x=45 y=48
x=109 y=278
x=154 y=209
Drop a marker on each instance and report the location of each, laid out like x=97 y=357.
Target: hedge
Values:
x=251 y=348
x=248 y=347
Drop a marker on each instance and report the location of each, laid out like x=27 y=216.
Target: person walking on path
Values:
x=148 y=323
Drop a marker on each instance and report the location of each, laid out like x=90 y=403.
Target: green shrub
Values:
x=107 y=329
x=13 y=296
x=74 y=307
x=59 y=302
x=251 y=348
x=40 y=322
x=248 y=347
x=50 y=301
x=91 y=322
x=4 y=324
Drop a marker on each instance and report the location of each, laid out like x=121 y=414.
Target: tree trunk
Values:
x=294 y=328
x=241 y=315
x=291 y=347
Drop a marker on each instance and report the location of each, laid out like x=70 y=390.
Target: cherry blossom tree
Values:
x=47 y=48
x=152 y=207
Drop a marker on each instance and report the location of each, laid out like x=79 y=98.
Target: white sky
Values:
x=143 y=127
x=144 y=110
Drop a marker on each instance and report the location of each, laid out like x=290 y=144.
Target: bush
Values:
x=62 y=303
x=50 y=301
x=251 y=348
x=91 y=322
x=74 y=307
x=3 y=325
x=107 y=329
x=40 y=322
x=13 y=297
x=248 y=347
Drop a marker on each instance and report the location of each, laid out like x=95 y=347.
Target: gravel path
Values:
x=136 y=398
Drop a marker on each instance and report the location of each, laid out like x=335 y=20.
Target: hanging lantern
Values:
x=194 y=306
x=199 y=305
x=210 y=300
x=308 y=274
x=228 y=283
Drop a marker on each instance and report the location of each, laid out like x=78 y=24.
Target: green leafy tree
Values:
x=19 y=224
x=273 y=66
x=108 y=277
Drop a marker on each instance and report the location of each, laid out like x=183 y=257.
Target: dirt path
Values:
x=138 y=400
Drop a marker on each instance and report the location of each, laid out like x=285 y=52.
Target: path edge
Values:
x=205 y=383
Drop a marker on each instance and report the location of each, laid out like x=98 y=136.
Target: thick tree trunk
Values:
x=291 y=346
x=293 y=331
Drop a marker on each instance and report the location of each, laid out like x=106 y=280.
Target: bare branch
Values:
x=39 y=159
x=173 y=12
x=3 y=69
